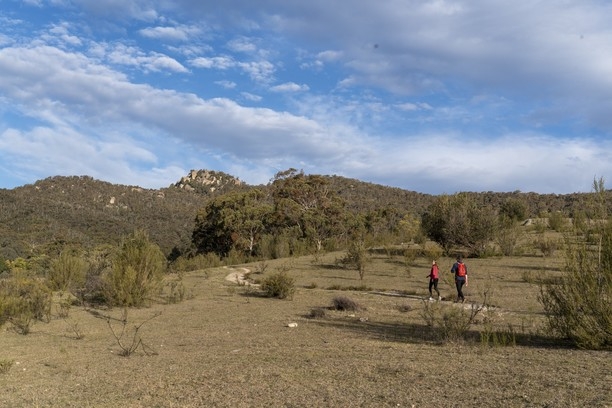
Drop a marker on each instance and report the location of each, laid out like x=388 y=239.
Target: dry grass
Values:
x=229 y=347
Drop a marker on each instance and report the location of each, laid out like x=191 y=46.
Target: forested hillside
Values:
x=87 y=212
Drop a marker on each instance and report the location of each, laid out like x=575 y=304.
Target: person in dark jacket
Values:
x=459 y=269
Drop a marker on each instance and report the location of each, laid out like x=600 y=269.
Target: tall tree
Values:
x=307 y=202
x=460 y=221
x=232 y=221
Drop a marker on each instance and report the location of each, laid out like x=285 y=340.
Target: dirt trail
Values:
x=238 y=276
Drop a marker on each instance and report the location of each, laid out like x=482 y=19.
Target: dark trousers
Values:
x=433 y=283
x=459 y=282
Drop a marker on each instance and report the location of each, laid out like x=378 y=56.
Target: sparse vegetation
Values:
x=204 y=327
x=128 y=337
x=579 y=307
x=5 y=366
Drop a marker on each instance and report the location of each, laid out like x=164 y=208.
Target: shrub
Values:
x=130 y=340
x=548 y=246
x=23 y=301
x=431 y=250
x=579 y=307
x=345 y=304
x=507 y=239
x=449 y=322
x=5 y=366
x=197 y=262
x=556 y=221
x=278 y=285
x=136 y=273
x=357 y=257
x=66 y=271
x=404 y=307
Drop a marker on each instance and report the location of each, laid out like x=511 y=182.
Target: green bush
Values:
x=68 y=270
x=579 y=307
x=137 y=271
x=278 y=285
x=23 y=301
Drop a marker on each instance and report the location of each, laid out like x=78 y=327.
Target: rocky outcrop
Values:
x=207 y=181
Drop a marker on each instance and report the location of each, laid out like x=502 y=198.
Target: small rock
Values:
x=292 y=325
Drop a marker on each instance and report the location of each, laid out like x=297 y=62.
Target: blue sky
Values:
x=432 y=96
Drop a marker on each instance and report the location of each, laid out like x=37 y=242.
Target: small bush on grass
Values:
x=5 y=366
x=547 y=246
x=450 y=323
x=345 y=304
x=405 y=307
x=23 y=301
x=356 y=257
x=278 y=285
x=130 y=340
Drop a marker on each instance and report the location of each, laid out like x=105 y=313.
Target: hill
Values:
x=85 y=211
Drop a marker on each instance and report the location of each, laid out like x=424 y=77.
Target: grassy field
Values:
x=226 y=346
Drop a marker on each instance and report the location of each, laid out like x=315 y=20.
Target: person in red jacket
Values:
x=433 y=280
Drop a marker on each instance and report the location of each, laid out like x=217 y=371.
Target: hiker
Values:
x=459 y=269
x=433 y=280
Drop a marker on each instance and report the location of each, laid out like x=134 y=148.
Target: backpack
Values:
x=461 y=272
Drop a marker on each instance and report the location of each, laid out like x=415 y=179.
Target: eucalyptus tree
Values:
x=232 y=221
x=460 y=221
x=308 y=203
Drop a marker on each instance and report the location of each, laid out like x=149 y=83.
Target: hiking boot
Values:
x=439 y=298
x=431 y=299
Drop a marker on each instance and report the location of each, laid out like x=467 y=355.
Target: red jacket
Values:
x=433 y=274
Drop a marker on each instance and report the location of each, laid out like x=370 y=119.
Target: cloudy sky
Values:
x=433 y=96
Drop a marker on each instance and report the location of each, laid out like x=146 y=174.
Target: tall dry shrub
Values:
x=137 y=271
x=580 y=306
x=66 y=270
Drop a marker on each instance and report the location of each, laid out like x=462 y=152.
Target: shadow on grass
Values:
x=423 y=334
x=332 y=266
x=532 y=268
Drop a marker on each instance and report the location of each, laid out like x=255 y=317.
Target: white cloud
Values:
x=173 y=33
x=289 y=87
x=153 y=61
x=226 y=84
x=251 y=97
x=221 y=62
x=242 y=45
x=533 y=76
